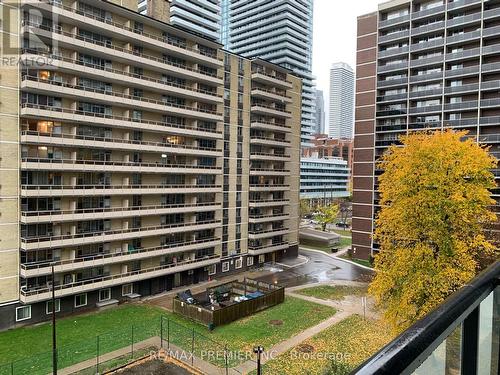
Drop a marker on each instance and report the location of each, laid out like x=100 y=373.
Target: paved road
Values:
x=320 y=268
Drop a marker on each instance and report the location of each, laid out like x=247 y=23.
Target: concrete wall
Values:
x=9 y=153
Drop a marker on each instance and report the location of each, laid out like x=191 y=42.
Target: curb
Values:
x=306 y=260
x=335 y=257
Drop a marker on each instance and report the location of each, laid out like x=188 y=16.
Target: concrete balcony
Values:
x=269 y=172
x=268 y=218
x=271 y=80
x=266 y=156
x=81 y=141
x=392 y=67
x=269 y=111
x=271 y=187
x=393 y=52
x=268 y=248
x=33 y=243
x=95 y=190
x=36 y=111
x=431 y=12
x=269 y=141
x=435 y=26
x=36 y=85
x=121 y=77
x=77 y=42
x=259 y=92
x=465 y=20
x=473 y=52
x=392 y=37
x=33 y=217
x=114 y=166
x=70 y=265
x=267 y=233
x=35 y=295
x=268 y=202
x=263 y=125
x=394 y=21
x=72 y=15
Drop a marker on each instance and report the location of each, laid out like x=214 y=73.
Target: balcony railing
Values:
x=114 y=95
x=46 y=214
x=104 y=188
x=256 y=137
x=119 y=118
x=273 y=76
x=187 y=225
x=116 y=140
x=113 y=256
x=108 y=45
x=123 y=27
x=472 y=311
x=117 y=71
x=96 y=281
x=66 y=162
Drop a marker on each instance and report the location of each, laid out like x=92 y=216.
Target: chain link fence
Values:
x=118 y=348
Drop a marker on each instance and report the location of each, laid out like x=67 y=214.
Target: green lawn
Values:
x=318 y=245
x=333 y=292
x=338 y=349
x=77 y=335
x=343 y=232
x=363 y=262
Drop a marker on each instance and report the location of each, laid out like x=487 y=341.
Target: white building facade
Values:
x=322 y=178
x=341 y=110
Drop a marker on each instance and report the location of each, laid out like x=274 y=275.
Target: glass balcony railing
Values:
x=461 y=336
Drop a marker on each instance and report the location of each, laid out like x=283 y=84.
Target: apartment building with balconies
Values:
x=125 y=159
x=274 y=162
x=421 y=65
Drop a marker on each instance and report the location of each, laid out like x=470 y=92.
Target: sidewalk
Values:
x=286 y=345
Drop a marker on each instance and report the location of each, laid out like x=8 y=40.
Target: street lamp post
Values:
x=258 y=350
x=54 y=342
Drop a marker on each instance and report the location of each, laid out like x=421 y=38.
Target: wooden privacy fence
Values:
x=272 y=296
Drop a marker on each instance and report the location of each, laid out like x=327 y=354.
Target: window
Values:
x=249 y=261
x=225 y=266
x=48 y=306
x=23 y=313
x=105 y=295
x=81 y=300
x=127 y=289
x=212 y=269
x=238 y=263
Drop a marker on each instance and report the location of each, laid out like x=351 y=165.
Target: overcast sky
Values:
x=335 y=36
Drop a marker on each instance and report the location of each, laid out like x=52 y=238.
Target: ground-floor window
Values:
x=212 y=269
x=127 y=289
x=105 y=295
x=225 y=266
x=238 y=263
x=81 y=300
x=23 y=313
x=262 y=258
x=48 y=306
x=249 y=261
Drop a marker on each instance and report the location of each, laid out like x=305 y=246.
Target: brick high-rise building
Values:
x=421 y=65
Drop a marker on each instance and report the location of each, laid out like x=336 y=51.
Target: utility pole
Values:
x=54 y=342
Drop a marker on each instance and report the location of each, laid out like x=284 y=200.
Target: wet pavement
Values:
x=320 y=268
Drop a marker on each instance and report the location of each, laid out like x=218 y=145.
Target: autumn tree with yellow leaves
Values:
x=434 y=198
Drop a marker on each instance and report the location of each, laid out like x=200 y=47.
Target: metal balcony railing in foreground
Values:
x=461 y=336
